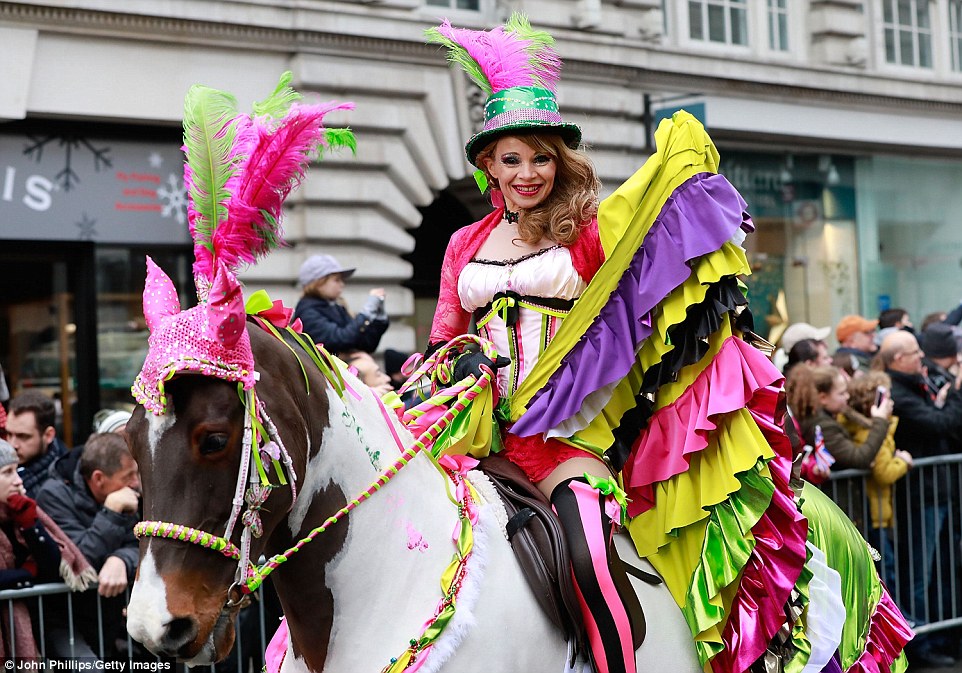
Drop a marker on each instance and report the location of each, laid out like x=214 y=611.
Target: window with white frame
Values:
x=908 y=32
x=456 y=4
x=955 y=33
x=724 y=21
x=778 y=25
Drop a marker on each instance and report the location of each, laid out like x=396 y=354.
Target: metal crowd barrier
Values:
x=252 y=633
x=920 y=559
x=920 y=554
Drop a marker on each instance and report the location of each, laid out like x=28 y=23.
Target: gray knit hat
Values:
x=7 y=454
x=318 y=266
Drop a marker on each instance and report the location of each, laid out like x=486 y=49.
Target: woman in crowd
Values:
x=325 y=317
x=809 y=352
x=817 y=396
x=33 y=550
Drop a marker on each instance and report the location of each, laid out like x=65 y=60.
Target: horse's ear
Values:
x=160 y=296
x=225 y=308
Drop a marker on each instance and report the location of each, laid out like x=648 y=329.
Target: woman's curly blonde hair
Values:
x=573 y=200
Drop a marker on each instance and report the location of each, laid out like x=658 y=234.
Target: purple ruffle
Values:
x=697 y=219
x=834 y=665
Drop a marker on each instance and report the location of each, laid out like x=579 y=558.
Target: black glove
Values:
x=471 y=363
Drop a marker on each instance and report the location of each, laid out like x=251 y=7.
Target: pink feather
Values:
x=506 y=59
x=272 y=157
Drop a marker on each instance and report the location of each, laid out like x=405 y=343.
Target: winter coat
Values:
x=96 y=530
x=330 y=324
x=886 y=470
x=848 y=454
x=925 y=430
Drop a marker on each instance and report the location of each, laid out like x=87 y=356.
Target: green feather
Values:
x=209 y=136
x=459 y=56
x=279 y=102
x=337 y=138
x=520 y=26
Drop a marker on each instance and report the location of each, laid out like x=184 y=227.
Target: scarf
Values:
x=76 y=572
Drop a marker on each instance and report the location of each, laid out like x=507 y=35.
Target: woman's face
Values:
x=835 y=400
x=525 y=175
x=823 y=359
x=10 y=482
x=332 y=287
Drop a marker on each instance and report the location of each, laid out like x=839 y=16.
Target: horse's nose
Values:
x=179 y=632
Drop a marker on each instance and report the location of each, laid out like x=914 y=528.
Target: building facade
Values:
x=839 y=120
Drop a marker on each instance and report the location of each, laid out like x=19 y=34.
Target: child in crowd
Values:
x=889 y=466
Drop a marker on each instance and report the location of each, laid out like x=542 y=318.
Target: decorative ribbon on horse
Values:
x=259 y=304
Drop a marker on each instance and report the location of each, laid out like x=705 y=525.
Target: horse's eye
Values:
x=213 y=444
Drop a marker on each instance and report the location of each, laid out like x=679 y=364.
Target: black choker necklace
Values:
x=512 y=216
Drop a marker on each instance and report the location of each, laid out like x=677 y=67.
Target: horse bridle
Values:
x=251 y=473
x=247 y=577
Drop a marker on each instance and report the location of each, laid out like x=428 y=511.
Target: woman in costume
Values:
x=630 y=350
x=517 y=272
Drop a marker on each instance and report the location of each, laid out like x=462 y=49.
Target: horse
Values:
x=358 y=595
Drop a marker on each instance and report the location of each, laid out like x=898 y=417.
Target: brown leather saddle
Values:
x=542 y=552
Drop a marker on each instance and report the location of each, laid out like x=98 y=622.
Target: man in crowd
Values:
x=856 y=339
x=941 y=360
x=94 y=496
x=31 y=431
x=924 y=429
x=368 y=371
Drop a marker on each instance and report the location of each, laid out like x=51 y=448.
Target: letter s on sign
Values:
x=38 y=193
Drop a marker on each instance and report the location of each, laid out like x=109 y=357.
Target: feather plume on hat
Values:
x=518 y=68
x=507 y=56
x=240 y=168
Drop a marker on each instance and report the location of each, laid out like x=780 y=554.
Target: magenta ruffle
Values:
x=736 y=376
x=887 y=636
x=757 y=611
x=697 y=219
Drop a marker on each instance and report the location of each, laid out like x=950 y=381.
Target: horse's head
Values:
x=190 y=445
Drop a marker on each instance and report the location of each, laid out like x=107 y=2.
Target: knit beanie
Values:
x=8 y=454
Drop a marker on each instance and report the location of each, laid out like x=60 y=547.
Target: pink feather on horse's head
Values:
x=160 y=296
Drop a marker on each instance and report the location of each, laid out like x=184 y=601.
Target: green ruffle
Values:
x=728 y=543
x=848 y=553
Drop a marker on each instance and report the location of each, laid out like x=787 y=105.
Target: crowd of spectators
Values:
x=887 y=397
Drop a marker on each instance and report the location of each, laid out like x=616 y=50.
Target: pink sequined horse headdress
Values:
x=238 y=172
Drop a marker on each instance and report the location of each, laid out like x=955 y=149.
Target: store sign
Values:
x=70 y=188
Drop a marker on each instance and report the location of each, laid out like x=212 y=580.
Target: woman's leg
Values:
x=588 y=529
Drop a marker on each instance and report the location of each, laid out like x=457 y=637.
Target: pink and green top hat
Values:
x=518 y=68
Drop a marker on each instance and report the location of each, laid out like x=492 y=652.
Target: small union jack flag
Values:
x=822 y=457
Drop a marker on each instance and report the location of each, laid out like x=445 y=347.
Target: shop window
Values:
x=723 y=21
x=908 y=32
x=778 y=25
x=955 y=33
x=803 y=253
x=473 y=5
